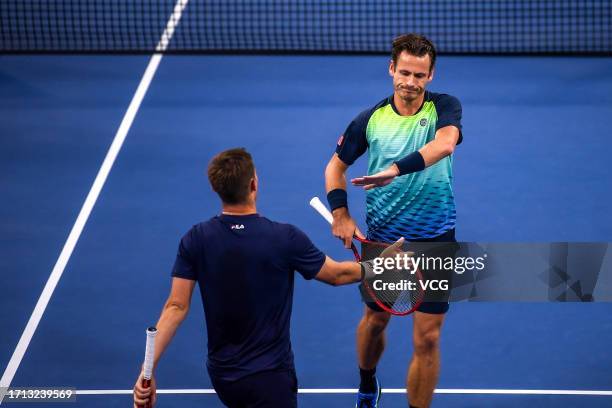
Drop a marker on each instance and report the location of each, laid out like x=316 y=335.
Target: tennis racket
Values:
x=149 y=359
x=397 y=290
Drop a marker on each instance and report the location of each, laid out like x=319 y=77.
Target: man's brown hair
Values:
x=230 y=173
x=414 y=44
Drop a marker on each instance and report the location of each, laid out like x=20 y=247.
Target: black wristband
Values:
x=337 y=198
x=411 y=163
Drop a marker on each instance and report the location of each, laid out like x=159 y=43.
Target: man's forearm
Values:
x=345 y=272
x=351 y=273
x=435 y=151
x=339 y=273
x=335 y=186
x=443 y=145
x=171 y=318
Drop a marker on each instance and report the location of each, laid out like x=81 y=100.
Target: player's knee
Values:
x=427 y=342
x=376 y=323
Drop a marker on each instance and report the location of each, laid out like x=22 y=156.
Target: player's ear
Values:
x=254 y=183
x=391 y=68
x=431 y=73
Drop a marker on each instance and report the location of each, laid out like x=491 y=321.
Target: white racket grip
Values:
x=316 y=203
x=149 y=353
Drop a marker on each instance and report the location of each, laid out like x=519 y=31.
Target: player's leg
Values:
x=371 y=337
x=370 y=346
x=425 y=365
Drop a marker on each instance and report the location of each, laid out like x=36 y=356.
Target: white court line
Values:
x=385 y=391
x=92 y=197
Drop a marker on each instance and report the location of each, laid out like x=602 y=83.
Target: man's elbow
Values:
x=178 y=307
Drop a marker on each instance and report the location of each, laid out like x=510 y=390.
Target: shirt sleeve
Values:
x=305 y=258
x=353 y=142
x=449 y=113
x=185 y=265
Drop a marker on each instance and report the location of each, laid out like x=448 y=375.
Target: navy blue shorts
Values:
x=267 y=389
x=425 y=307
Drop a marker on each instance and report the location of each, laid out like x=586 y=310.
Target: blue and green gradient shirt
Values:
x=417 y=205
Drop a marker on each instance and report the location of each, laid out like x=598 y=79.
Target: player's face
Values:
x=410 y=75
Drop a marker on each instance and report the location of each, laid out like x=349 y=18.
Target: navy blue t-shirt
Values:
x=244 y=266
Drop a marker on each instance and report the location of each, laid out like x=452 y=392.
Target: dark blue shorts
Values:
x=425 y=307
x=267 y=389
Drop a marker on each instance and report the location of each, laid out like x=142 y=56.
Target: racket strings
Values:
x=406 y=292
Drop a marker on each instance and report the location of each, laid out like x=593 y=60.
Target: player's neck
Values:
x=239 y=209
x=407 y=108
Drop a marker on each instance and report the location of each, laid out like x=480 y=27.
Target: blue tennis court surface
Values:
x=534 y=166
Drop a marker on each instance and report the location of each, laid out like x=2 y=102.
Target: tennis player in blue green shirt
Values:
x=410 y=138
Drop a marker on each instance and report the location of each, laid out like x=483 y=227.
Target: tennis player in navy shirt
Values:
x=244 y=265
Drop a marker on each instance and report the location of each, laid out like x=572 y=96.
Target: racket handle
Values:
x=316 y=203
x=146 y=384
x=149 y=356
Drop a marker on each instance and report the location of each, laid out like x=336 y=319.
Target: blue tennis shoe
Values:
x=369 y=400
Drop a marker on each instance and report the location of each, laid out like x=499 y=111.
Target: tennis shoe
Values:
x=369 y=400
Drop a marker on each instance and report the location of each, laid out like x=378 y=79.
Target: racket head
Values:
x=407 y=293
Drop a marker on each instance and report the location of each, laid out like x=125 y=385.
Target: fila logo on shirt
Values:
x=238 y=226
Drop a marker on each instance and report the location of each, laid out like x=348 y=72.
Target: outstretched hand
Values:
x=380 y=179
x=393 y=249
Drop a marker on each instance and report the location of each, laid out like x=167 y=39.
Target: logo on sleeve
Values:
x=238 y=226
x=423 y=122
x=340 y=140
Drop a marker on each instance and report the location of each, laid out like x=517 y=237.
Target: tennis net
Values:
x=306 y=26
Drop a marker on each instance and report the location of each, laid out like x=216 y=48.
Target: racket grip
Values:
x=146 y=384
x=148 y=362
x=318 y=205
